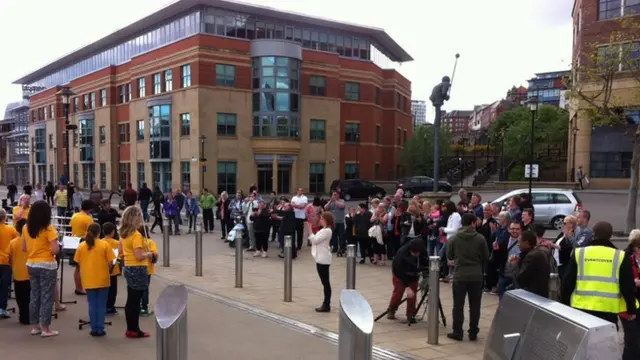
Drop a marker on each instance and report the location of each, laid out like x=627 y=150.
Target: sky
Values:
x=501 y=43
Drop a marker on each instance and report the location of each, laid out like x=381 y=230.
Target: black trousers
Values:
x=491 y=274
x=207 y=219
x=323 y=273
x=366 y=249
x=631 y=335
x=157 y=222
x=224 y=226
x=113 y=293
x=462 y=289
x=262 y=241
x=132 y=309
x=275 y=227
x=299 y=232
x=22 y=292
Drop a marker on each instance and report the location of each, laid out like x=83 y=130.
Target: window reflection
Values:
x=160 y=132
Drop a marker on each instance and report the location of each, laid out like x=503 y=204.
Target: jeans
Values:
x=323 y=273
x=337 y=238
x=5 y=285
x=462 y=289
x=113 y=293
x=144 y=205
x=97 y=299
x=43 y=285
x=503 y=284
x=434 y=247
x=299 y=233
x=22 y=291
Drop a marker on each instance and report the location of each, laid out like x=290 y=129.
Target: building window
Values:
x=123 y=131
x=86 y=131
x=316 y=178
x=76 y=104
x=140 y=170
x=168 y=80
x=185 y=124
x=225 y=75
x=631 y=7
x=122 y=89
x=227 y=174
x=52 y=110
x=40 y=146
x=123 y=175
x=610 y=164
x=88 y=174
x=157 y=83
x=609 y=9
x=318 y=86
x=92 y=100
x=140 y=130
x=404 y=137
x=351 y=91
x=185 y=72
x=103 y=134
x=352 y=132
x=226 y=124
x=85 y=102
x=377 y=134
x=128 y=89
x=50 y=141
x=185 y=168
x=103 y=97
x=160 y=139
x=142 y=91
x=52 y=175
x=351 y=171
x=103 y=176
x=398 y=138
x=318 y=130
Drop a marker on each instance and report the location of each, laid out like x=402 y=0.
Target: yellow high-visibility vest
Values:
x=597 y=283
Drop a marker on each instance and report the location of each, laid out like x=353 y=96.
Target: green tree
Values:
x=593 y=91
x=417 y=155
x=551 y=126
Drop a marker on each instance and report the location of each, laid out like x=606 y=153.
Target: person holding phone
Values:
x=508 y=256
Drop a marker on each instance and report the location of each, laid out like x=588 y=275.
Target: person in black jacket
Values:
x=533 y=266
x=362 y=223
x=261 y=224
x=407 y=265
x=50 y=191
x=107 y=214
x=287 y=219
x=144 y=196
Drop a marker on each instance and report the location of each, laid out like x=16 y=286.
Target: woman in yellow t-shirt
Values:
x=136 y=260
x=40 y=241
x=151 y=269
x=95 y=259
x=7 y=233
x=21 y=211
x=21 y=285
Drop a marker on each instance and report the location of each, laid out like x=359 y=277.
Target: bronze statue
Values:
x=440 y=92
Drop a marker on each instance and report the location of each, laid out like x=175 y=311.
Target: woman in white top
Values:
x=321 y=252
x=454 y=223
x=38 y=193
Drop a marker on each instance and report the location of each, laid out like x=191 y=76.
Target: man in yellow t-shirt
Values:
x=7 y=233
x=79 y=223
x=21 y=284
x=61 y=200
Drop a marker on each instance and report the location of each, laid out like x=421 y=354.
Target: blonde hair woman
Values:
x=136 y=253
x=563 y=244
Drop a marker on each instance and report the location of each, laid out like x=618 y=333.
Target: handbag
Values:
x=375 y=232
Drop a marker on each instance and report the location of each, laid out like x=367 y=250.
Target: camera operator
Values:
x=469 y=252
x=406 y=267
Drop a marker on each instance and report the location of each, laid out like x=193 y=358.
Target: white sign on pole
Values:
x=531 y=171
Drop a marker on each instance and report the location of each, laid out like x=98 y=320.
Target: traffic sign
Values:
x=531 y=171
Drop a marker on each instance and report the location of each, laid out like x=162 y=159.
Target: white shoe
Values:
x=257 y=253
x=264 y=254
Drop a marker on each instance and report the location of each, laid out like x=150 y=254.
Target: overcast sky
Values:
x=501 y=42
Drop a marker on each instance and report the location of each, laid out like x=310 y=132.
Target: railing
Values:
x=485 y=173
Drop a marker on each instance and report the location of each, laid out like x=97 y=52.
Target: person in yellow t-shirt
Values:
x=109 y=231
x=151 y=269
x=40 y=241
x=79 y=224
x=7 y=233
x=21 y=283
x=95 y=260
x=136 y=260
x=21 y=211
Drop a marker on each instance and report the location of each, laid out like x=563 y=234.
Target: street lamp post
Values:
x=65 y=95
x=203 y=161
x=574 y=131
x=502 y=174
x=357 y=156
x=533 y=106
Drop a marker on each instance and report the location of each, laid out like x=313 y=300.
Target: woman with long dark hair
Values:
x=137 y=255
x=40 y=241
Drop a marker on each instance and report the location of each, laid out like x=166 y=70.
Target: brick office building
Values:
x=603 y=152
x=282 y=100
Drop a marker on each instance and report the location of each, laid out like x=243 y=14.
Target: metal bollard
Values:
x=198 y=248
x=171 y=323
x=239 y=249
x=351 y=266
x=288 y=267
x=165 y=243
x=355 y=339
x=433 y=325
x=554 y=287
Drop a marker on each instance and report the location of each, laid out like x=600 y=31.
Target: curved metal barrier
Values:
x=171 y=323
x=356 y=327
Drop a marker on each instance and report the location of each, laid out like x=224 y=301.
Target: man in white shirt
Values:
x=299 y=204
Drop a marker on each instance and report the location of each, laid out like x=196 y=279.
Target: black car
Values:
x=357 y=189
x=418 y=184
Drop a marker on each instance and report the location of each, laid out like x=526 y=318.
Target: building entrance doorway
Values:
x=162 y=175
x=284 y=179
x=265 y=178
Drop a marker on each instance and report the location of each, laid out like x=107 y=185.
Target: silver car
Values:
x=551 y=206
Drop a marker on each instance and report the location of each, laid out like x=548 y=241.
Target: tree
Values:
x=514 y=128
x=593 y=95
x=417 y=155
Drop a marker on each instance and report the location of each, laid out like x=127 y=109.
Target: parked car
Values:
x=357 y=189
x=551 y=206
x=418 y=184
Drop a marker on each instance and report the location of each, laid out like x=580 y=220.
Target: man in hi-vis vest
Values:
x=599 y=280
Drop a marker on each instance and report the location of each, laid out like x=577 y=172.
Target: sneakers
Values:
x=98 y=333
x=145 y=312
x=391 y=315
x=4 y=314
x=257 y=253
x=454 y=336
x=264 y=254
x=136 y=334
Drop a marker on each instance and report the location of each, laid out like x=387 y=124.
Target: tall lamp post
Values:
x=533 y=106
x=357 y=156
x=203 y=161
x=574 y=133
x=65 y=95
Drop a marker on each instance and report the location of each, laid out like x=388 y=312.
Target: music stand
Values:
x=69 y=247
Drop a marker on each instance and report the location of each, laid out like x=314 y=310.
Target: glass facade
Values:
x=276 y=97
x=160 y=132
x=40 y=148
x=86 y=139
x=225 y=24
